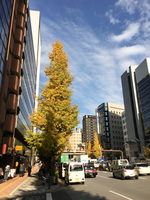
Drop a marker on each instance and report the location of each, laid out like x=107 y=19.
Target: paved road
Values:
x=103 y=187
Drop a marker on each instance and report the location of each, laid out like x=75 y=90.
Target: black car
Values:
x=90 y=171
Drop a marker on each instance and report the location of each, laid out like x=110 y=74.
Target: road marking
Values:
x=103 y=177
x=142 y=178
x=48 y=196
x=120 y=195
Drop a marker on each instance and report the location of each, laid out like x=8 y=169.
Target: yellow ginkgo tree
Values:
x=89 y=148
x=146 y=152
x=97 y=153
x=56 y=116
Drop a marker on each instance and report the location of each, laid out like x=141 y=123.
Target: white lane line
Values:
x=103 y=177
x=48 y=196
x=142 y=178
x=120 y=195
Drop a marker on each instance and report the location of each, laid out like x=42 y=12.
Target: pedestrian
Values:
x=7 y=169
x=29 y=170
x=21 y=170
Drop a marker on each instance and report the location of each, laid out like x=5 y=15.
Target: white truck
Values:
x=116 y=163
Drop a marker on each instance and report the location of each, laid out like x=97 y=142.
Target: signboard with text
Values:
x=18 y=148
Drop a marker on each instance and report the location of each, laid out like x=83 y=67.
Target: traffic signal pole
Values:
x=110 y=150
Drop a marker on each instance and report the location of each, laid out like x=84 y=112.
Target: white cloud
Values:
x=96 y=65
x=112 y=19
x=128 y=34
x=128 y=5
x=129 y=51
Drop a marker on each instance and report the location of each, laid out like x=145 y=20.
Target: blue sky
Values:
x=102 y=39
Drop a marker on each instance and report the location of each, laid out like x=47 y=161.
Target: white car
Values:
x=125 y=171
x=142 y=168
x=74 y=173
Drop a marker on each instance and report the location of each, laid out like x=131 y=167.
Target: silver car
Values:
x=125 y=171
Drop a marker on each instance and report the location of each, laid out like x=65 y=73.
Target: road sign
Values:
x=64 y=158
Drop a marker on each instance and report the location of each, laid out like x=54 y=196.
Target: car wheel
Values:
x=122 y=177
x=83 y=183
x=136 y=177
x=94 y=176
x=114 y=175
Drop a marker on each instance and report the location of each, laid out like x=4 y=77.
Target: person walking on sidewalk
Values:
x=21 y=170
x=29 y=170
x=7 y=169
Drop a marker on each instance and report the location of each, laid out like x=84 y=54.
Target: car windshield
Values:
x=142 y=165
x=76 y=168
x=129 y=167
x=88 y=167
x=123 y=162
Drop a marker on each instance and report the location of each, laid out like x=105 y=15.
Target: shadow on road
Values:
x=35 y=189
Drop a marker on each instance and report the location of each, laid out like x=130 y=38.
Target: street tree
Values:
x=56 y=117
x=86 y=148
x=69 y=146
x=89 y=148
x=146 y=152
x=97 y=153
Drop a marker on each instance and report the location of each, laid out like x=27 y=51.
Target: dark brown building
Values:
x=18 y=73
x=89 y=128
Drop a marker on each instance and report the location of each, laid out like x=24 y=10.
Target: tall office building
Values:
x=109 y=122
x=136 y=94
x=18 y=74
x=89 y=123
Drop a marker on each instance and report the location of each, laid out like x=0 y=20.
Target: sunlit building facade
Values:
x=109 y=122
x=76 y=139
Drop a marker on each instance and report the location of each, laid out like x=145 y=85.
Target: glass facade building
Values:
x=103 y=125
x=110 y=128
x=28 y=82
x=5 y=15
x=143 y=88
x=136 y=94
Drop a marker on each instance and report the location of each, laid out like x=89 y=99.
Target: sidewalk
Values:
x=23 y=186
x=7 y=187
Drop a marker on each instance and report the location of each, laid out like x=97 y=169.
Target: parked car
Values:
x=142 y=168
x=90 y=171
x=125 y=171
